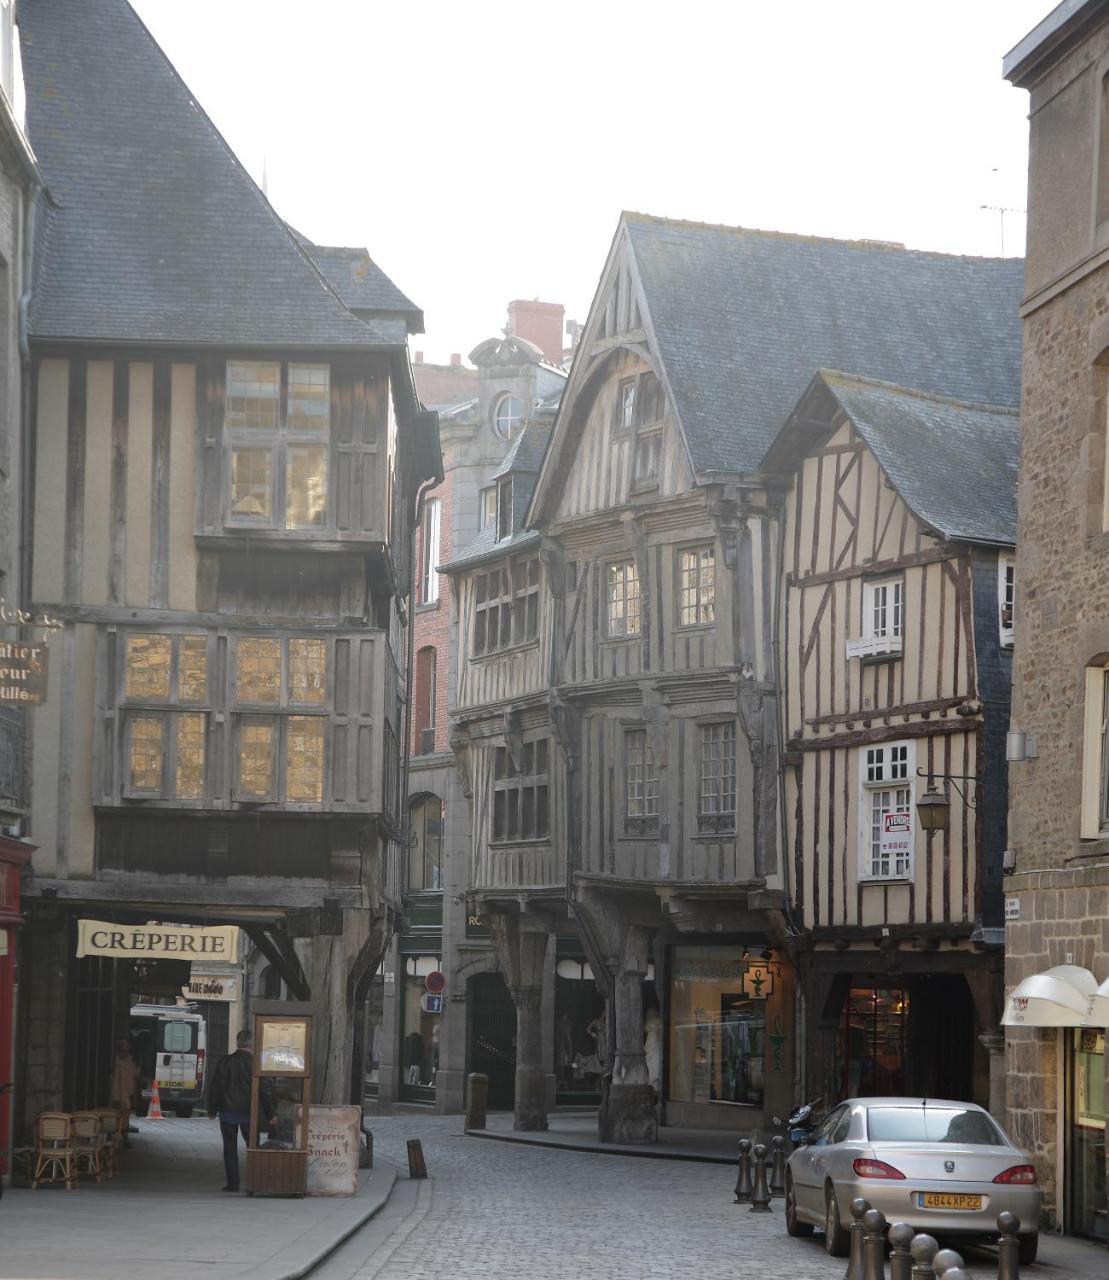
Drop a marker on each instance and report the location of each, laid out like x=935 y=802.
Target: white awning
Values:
x=1065 y=996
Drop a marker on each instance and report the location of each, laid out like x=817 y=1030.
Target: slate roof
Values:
x=360 y=282
x=954 y=464
x=155 y=231
x=742 y=318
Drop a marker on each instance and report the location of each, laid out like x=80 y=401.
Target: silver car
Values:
x=943 y=1167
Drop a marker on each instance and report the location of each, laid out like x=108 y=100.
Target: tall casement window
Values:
x=504 y=508
x=696 y=586
x=488 y=506
x=424 y=701
x=641 y=784
x=427 y=586
x=280 y=691
x=625 y=405
x=277 y=425
x=716 y=798
x=506 y=606
x=1006 y=598
x=165 y=695
x=425 y=849
x=521 y=805
x=883 y=620
x=886 y=811
x=622 y=587
x=1095 y=747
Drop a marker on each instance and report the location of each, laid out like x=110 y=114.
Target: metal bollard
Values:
x=923 y=1248
x=416 y=1165
x=1008 y=1247
x=778 y=1166
x=743 y=1179
x=760 y=1192
x=946 y=1261
x=901 y=1260
x=477 y=1098
x=859 y=1208
x=874 y=1245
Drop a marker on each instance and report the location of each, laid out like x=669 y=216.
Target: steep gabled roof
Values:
x=360 y=282
x=156 y=233
x=953 y=464
x=741 y=319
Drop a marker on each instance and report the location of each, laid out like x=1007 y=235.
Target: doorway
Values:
x=493 y=1037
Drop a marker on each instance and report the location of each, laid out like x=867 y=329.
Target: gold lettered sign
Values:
x=166 y=941
x=22 y=673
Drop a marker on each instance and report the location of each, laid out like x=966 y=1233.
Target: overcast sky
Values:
x=484 y=151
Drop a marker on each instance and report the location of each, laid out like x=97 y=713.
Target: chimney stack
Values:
x=456 y=359
x=418 y=358
x=538 y=322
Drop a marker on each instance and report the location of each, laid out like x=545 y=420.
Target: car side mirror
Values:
x=799 y=1137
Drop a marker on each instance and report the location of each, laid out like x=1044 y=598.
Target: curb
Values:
x=598 y=1149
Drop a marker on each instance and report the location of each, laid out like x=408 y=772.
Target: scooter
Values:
x=800 y=1122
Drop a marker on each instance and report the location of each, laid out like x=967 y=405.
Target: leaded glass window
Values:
x=623 y=599
x=641 y=784
x=697 y=586
x=258 y=670
x=716 y=801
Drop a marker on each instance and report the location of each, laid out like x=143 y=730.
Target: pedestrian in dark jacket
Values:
x=229 y=1098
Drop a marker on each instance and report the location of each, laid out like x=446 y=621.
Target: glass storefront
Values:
x=1088 y=1214
x=581 y=1037
x=871 y=1045
x=419 y=1031
x=718 y=1001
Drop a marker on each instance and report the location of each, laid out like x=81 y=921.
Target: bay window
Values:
x=506 y=606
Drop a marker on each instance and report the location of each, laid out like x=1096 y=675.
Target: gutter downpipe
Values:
x=28 y=208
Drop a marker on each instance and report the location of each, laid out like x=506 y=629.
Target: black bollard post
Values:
x=859 y=1207
x=945 y=1262
x=874 y=1245
x=1008 y=1246
x=901 y=1260
x=923 y=1248
x=778 y=1166
x=760 y=1192
x=743 y=1179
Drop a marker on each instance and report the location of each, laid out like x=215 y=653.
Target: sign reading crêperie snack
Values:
x=134 y=941
x=22 y=673
x=334 y=1142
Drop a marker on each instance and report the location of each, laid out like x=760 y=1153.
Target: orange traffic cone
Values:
x=155 y=1112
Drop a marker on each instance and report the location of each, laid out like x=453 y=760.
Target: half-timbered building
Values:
x=653 y=678
x=895 y=642
x=227 y=448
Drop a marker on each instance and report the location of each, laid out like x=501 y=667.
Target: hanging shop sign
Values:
x=23 y=669
x=210 y=986
x=134 y=941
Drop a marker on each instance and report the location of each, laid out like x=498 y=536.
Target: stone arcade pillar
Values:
x=994 y=1044
x=521 y=944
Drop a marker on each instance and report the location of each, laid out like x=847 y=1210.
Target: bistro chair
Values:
x=111 y=1140
x=55 y=1151
x=88 y=1141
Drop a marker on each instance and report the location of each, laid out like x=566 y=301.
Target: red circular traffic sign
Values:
x=436 y=983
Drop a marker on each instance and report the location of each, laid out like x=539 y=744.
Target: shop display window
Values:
x=1088 y=1214
x=717 y=1027
x=871 y=1046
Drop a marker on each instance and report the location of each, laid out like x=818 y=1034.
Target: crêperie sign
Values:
x=132 y=941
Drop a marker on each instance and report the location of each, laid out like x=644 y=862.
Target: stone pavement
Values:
x=165 y=1216
x=506 y=1211
x=577 y=1130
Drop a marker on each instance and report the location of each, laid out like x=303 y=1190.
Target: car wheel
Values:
x=1028 y=1248
x=183 y=1113
x=794 y=1227
x=837 y=1241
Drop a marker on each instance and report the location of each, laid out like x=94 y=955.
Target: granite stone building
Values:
x=226 y=447
x=1058 y=896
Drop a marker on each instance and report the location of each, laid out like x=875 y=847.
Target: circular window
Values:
x=508 y=414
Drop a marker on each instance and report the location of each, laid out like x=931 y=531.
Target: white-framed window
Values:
x=521 y=806
x=1095 y=753
x=883 y=620
x=489 y=506
x=716 y=777
x=696 y=586
x=886 y=775
x=427 y=591
x=277 y=462
x=508 y=414
x=504 y=508
x=625 y=404
x=622 y=588
x=640 y=785
x=1006 y=598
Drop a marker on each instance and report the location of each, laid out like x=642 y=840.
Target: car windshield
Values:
x=931 y=1124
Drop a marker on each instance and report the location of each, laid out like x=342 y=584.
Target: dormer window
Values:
x=508 y=414
x=504 y=508
x=277 y=424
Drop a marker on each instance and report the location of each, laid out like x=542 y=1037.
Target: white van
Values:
x=169 y=1042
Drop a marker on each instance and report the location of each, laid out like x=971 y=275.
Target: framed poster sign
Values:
x=283 y=1047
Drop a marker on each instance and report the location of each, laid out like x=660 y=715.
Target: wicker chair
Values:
x=55 y=1151
x=88 y=1145
x=111 y=1140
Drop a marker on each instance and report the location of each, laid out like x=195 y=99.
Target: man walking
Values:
x=229 y=1098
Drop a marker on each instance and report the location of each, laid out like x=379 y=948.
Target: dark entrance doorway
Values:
x=493 y=1037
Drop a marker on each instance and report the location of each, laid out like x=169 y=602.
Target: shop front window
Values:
x=871 y=1049
x=581 y=1033
x=420 y=1028
x=717 y=1027
x=1088 y=1213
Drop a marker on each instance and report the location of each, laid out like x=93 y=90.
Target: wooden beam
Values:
x=291 y=972
x=936 y=706
x=881 y=733
x=875 y=568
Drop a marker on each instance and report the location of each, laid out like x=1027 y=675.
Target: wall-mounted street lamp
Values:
x=933 y=806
